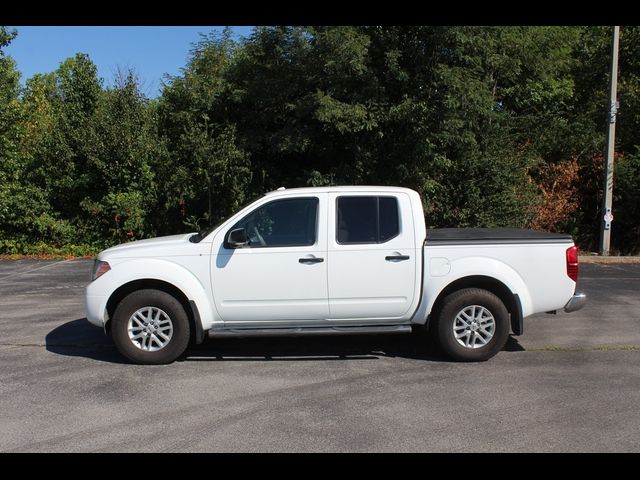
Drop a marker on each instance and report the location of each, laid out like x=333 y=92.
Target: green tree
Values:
x=588 y=119
x=205 y=176
x=626 y=198
x=381 y=105
x=485 y=122
x=24 y=211
x=123 y=189
x=89 y=153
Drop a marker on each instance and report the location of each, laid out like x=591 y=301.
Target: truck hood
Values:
x=153 y=247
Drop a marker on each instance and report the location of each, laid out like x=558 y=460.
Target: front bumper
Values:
x=96 y=309
x=576 y=302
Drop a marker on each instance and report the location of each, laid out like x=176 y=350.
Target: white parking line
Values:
x=35 y=269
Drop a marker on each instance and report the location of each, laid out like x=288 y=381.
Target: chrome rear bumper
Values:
x=576 y=302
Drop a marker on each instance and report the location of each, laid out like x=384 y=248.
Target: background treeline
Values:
x=494 y=126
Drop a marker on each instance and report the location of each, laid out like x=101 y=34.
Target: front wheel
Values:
x=150 y=327
x=472 y=325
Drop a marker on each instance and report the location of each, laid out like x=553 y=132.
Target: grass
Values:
x=13 y=250
x=595 y=348
x=43 y=256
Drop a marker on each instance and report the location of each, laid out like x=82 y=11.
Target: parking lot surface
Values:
x=570 y=383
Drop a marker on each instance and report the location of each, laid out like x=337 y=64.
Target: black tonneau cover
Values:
x=462 y=236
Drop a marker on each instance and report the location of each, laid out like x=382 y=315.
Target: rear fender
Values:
x=461 y=268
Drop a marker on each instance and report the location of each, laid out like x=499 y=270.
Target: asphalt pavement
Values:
x=570 y=383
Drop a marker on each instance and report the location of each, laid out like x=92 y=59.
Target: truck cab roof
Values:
x=340 y=188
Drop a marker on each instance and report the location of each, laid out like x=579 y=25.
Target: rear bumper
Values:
x=576 y=302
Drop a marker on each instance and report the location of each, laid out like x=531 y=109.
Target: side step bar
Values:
x=302 y=331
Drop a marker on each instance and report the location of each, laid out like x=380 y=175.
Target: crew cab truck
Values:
x=330 y=260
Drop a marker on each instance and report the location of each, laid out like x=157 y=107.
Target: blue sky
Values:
x=149 y=51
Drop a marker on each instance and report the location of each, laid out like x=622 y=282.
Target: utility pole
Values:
x=605 y=232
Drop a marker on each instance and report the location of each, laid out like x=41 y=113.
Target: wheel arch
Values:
x=510 y=300
x=190 y=307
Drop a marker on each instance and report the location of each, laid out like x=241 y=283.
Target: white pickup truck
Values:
x=330 y=260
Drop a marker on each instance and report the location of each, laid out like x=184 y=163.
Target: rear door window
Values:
x=366 y=219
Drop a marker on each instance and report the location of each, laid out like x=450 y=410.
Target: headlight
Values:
x=99 y=268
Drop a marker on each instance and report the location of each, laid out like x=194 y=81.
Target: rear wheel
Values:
x=150 y=327
x=472 y=325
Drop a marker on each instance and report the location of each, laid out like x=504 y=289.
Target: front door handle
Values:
x=396 y=258
x=311 y=260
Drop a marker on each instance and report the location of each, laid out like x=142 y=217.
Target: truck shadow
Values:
x=353 y=347
x=78 y=338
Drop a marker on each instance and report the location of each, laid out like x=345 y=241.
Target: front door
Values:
x=280 y=277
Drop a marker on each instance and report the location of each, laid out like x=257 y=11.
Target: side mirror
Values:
x=237 y=238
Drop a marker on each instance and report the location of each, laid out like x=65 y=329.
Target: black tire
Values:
x=160 y=300
x=456 y=302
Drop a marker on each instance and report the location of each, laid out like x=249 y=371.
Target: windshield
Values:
x=203 y=233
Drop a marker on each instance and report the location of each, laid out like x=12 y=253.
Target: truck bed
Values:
x=476 y=236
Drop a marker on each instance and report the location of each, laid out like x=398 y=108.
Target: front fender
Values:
x=124 y=271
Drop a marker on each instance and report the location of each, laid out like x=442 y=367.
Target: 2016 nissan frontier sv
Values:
x=330 y=260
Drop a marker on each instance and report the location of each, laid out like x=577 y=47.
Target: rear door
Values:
x=372 y=258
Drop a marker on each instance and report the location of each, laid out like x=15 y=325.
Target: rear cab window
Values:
x=366 y=219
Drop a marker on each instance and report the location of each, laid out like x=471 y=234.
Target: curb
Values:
x=607 y=260
x=43 y=256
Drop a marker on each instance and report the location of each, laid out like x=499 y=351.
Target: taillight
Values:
x=99 y=269
x=572 y=263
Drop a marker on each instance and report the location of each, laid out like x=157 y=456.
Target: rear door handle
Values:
x=396 y=258
x=311 y=260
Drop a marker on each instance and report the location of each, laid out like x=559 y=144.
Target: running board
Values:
x=302 y=331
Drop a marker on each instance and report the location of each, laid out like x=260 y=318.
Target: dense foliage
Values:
x=494 y=126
